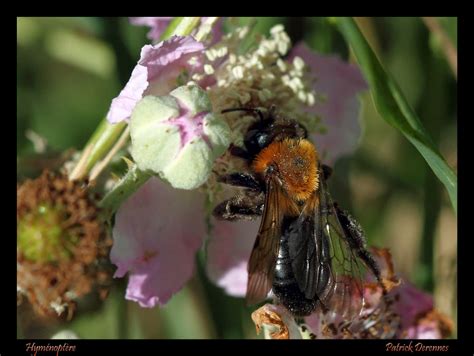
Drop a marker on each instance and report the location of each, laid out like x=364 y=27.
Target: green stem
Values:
x=180 y=26
x=434 y=104
x=202 y=306
x=106 y=134
x=225 y=312
x=125 y=135
x=98 y=146
x=447 y=46
x=122 y=311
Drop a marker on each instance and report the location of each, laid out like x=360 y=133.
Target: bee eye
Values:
x=262 y=140
x=255 y=140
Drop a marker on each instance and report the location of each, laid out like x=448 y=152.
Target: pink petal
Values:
x=122 y=106
x=156 y=73
x=426 y=331
x=233 y=279
x=228 y=253
x=176 y=51
x=157 y=25
x=411 y=303
x=156 y=235
x=419 y=319
x=339 y=82
x=431 y=325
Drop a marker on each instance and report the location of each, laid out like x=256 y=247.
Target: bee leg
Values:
x=244 y=180
x=327 y=171
x=356 y=239
x=240 y=207
x=237 y=151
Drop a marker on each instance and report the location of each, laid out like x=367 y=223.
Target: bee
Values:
x=308 y=251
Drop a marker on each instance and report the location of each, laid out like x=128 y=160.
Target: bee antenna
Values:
x=251 y=110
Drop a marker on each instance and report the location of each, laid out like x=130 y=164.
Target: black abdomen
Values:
x=285 y=287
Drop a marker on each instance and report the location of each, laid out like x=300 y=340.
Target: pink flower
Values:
x=156 y=73
x=418 y=318
x=157 y=233
x=339 y=83
x=431 y=325
x=157 y=25
x=228 y=254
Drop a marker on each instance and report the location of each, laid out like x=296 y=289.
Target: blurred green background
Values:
x=69 y=69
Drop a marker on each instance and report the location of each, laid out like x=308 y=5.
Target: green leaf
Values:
x=393 y=107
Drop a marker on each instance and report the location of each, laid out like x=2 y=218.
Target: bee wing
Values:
x=265 y=250
x=325 y=257
x=309 y=250
x=348 y=271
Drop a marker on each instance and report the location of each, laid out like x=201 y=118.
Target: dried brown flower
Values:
x=62 y=244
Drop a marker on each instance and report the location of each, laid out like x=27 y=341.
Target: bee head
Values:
x=267 y=129
x=259 y=135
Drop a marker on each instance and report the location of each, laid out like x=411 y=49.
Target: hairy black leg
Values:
x=327 y=171
x=240 y=207
x=245 y=180
x=239 y=152
x=246 y=206
x=250 y=110
x=356 y=240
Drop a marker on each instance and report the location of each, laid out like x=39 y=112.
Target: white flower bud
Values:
x=178 y=137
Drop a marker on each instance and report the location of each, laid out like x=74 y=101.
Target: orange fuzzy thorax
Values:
x=296 y=163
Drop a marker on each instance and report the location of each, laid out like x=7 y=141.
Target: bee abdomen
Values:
x=285 y=287
x=293 y=300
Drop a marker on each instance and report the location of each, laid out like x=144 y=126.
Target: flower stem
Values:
x=122 y=311
x=446 y=44
x=118 y=145
x=180 y=26
x=106 y=135
x=98 y=146
x=205 y=28
x=125 y=187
